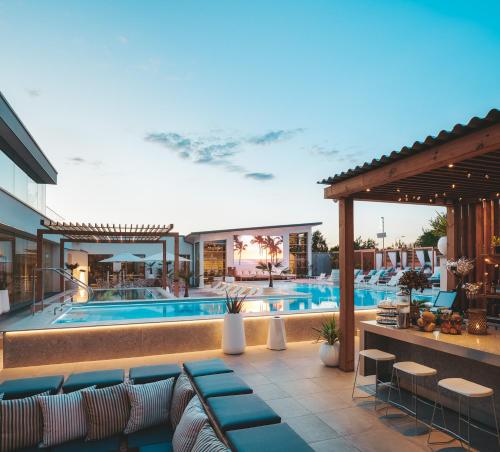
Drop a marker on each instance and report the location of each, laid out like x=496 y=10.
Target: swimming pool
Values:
x=122 y=294
x=316 y=298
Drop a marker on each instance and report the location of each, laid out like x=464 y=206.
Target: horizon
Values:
x=217 y=116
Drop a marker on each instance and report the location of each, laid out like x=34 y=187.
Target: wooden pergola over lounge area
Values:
x=458 y=169
x=106 y=233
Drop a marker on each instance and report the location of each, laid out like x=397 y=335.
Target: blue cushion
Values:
x=157 y=435
x=148 y=374
x=241 y=411
x=98 y=378
x=221 y=385
x=267 y=438
x=111 y=444
x=26 y=387
x=156 y=448
x=206 y=367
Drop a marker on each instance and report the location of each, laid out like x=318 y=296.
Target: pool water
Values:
x=122 y=294
x=316 y=297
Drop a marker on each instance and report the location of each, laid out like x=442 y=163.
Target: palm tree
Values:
x=269 y=267
x=239 y=247
x=259 y=240
x=185 y=276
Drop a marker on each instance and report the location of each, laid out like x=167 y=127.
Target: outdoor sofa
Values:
x=208 y=407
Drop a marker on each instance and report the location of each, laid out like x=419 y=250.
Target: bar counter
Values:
x=475 y=358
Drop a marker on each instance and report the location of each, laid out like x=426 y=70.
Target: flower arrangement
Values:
x=413 y=280
x=472 y=289
x=460 y=268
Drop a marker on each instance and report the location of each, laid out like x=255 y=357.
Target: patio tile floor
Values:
x=314 y=400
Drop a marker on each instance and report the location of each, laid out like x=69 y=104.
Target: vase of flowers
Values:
x=329 y=335
x=410 y=281
x=233 y=333
x=460 y=268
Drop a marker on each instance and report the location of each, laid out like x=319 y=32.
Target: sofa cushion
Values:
x=159 y=434
x=192 y=421
x=207 y=441
x=206 y=367
x=64 y=418
x=107 y=411
x=148 y=374
x=221 y=385
x=26 y=387
x=241 y=411
x=99 y=378
x=111 y=444
x=149 y=404
x=267 y=438
x=183 y=392
x=21 y=423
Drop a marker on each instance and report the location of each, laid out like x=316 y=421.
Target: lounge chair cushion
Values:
x=64 y=418
x=111 y=444
x=160 y=435
x=150 y=404
x=21 y=423
x=207 y=441
x=221 y=385
x=267 y=438
x=107 y=411
x=183 y=393
x=26 y=387
x=148 y=374
x=192 y=421
x=241 y=411
x=99 y=378
x=206 y=367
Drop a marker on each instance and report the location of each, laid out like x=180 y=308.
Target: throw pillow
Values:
x=107 y=411
x=183 y=392
x=207 y=441
x=150 y=404
x=63 y=418
x=192 y=421
x=21 y=423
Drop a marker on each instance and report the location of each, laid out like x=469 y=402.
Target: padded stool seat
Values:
x=416 y=369
x=111 y=444
x=26 y=387
x=159 y=435
x=206 y=367
x=267 y=438
x=241 y=411
x=148 y=374
x=377 y=355
x=221 y=385
x=98 y=378
x=465 y=387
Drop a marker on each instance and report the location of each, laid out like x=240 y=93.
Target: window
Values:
x=298 y=254
x=214 y=259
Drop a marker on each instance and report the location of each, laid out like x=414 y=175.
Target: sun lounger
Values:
x=321 y=277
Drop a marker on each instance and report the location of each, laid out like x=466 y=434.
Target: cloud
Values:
x=274 y=136
x=81 y=161
x=335 y=154
x=122 y=39
x=33 y=92
x=324 y=151
x=260 y=176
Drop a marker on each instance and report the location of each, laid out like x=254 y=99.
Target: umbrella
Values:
x=123 y=257
x=159 y=258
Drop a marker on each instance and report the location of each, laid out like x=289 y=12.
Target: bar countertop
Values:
x=485 y=349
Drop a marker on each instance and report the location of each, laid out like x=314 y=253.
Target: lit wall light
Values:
x=450 y=165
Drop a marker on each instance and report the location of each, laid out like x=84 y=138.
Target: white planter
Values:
x=4 y=301
x=329 y=354
x=233 y=335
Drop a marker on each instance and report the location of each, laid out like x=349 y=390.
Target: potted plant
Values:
x=233 y=333
x=410 y=281
x=330 y=337
x=269 y=267
x=4 y=293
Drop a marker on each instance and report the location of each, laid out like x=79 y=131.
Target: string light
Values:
x=450 y=165
x=486 y=176
x=418 y=198
x=398 y=190
x=368 y=189
x=453 y=185
x=469 y=175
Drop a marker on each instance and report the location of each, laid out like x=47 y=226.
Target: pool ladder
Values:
x=66 y=275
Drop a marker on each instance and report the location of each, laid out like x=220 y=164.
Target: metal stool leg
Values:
x=355 y=378
x=495 y=417
x=438 y=400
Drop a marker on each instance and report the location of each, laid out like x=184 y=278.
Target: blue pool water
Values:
x=122 y=294
x=316 y=297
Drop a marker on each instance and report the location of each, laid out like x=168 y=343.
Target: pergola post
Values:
x=39 y=264
x=176 y=265
x=61 y=263
x=452 y=241
x=346 y=265
x=164 y=263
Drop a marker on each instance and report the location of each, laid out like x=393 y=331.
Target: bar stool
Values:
x=376 y=355
x=468 y=390
x=415 y=371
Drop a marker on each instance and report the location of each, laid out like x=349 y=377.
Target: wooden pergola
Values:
x=458 y=169
x=106 y=233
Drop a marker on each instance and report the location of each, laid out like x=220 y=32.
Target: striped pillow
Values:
x=107 y=411
x=192 y=421
x=183 y=392
x=207 y=441
x=150 y=404
x=21 y=423
x=63 y=418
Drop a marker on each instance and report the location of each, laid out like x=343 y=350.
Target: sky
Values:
x=224 y=114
